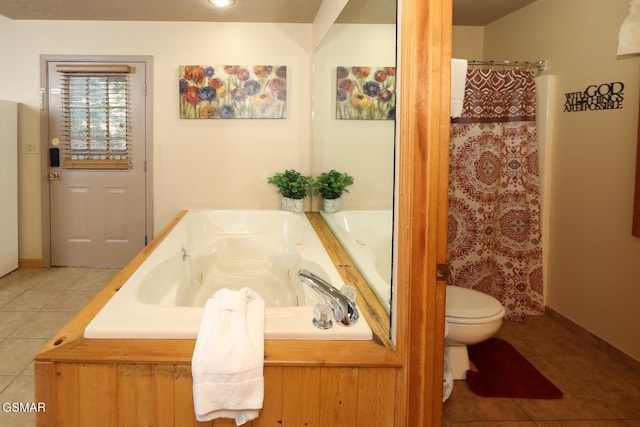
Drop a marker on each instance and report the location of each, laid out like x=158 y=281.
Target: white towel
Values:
x=629 y=35
x=458 y=82
x=228 y=358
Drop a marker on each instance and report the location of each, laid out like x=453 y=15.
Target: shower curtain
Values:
x=494 y=236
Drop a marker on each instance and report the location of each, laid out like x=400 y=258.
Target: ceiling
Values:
x=465 y=12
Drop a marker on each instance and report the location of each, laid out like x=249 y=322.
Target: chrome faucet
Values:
x=344 y=310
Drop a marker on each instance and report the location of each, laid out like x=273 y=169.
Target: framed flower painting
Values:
x=366 y=93
x=233 y=91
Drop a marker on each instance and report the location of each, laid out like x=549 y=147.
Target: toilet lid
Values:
x=469 y=303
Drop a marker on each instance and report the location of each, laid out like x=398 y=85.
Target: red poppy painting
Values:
x=233 y=92
x=366 y=93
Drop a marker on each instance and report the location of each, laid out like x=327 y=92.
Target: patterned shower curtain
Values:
x=494 y=243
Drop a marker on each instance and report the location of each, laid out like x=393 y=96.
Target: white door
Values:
x=97 y=164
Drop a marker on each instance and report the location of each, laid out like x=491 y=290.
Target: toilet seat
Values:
x=468 y=306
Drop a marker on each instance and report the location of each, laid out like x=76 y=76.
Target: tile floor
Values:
x=35 y=303
x=600 y=390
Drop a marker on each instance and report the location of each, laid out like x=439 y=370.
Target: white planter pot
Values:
x=292 y=205
x=332 y=205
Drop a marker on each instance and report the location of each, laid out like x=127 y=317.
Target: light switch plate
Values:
x=32 y=148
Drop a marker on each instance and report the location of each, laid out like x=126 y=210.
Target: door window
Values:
x=96 y=118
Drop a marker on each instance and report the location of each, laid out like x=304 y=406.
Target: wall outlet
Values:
x=32 y=148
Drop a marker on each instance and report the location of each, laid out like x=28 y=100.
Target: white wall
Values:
x=196 y=163
x=594 y=261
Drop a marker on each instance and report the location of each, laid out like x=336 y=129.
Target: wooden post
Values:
x=636 y=203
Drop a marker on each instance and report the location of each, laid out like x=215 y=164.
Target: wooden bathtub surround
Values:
x=371 y=308
x=366 y=384
x=79 y=378
x=121 y=350
x=127 y=394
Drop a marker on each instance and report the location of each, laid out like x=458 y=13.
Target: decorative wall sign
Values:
x=366 y=93
x=233 y=92
x=606 y=96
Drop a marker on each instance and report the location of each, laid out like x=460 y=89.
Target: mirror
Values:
x=362 y=36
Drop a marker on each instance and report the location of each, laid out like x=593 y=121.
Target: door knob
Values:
x=54 y=176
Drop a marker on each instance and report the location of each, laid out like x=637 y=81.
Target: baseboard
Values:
x=30 y=263
x=593 y=339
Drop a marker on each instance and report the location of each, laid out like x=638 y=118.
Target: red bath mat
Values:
x=503 y=372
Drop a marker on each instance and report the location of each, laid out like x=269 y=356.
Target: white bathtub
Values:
x=209 y=250
x=366 y=235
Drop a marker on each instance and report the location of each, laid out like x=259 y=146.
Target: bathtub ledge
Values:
x=69 y=344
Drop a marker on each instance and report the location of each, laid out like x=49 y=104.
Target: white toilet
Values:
x=472 y=317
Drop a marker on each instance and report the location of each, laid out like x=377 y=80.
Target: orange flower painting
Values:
x=233 y=92
x=366 y=93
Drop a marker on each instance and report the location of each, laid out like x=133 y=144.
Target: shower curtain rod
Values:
x=541 y=65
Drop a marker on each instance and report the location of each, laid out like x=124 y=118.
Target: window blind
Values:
x=96 y=132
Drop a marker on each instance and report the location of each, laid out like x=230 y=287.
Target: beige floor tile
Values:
x=623 y=407
x=598 y=389
x=95 y=280
x=70 y=301
x=10 y=321
x=33 y=307
x=10 y=419
x=11 y=287
x=17 y=353
x=463 y=405
x=9 y=294
x=526 y=337
x=33 y=299
x=5 y=380
x=20 y=390
x=29 y=370
x=42 y=324
x=611 y=383
x=24 y=277
x=57 y=278
x=567 y=408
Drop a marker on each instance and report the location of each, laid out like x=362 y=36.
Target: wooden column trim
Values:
x=636 y=202
x=425 y=64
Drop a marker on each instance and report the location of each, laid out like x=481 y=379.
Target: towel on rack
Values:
x=458 y=82
x=629 y=35
x=228 y=358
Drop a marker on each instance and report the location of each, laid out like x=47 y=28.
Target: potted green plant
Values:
x=293 y=187
x=330 y=185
